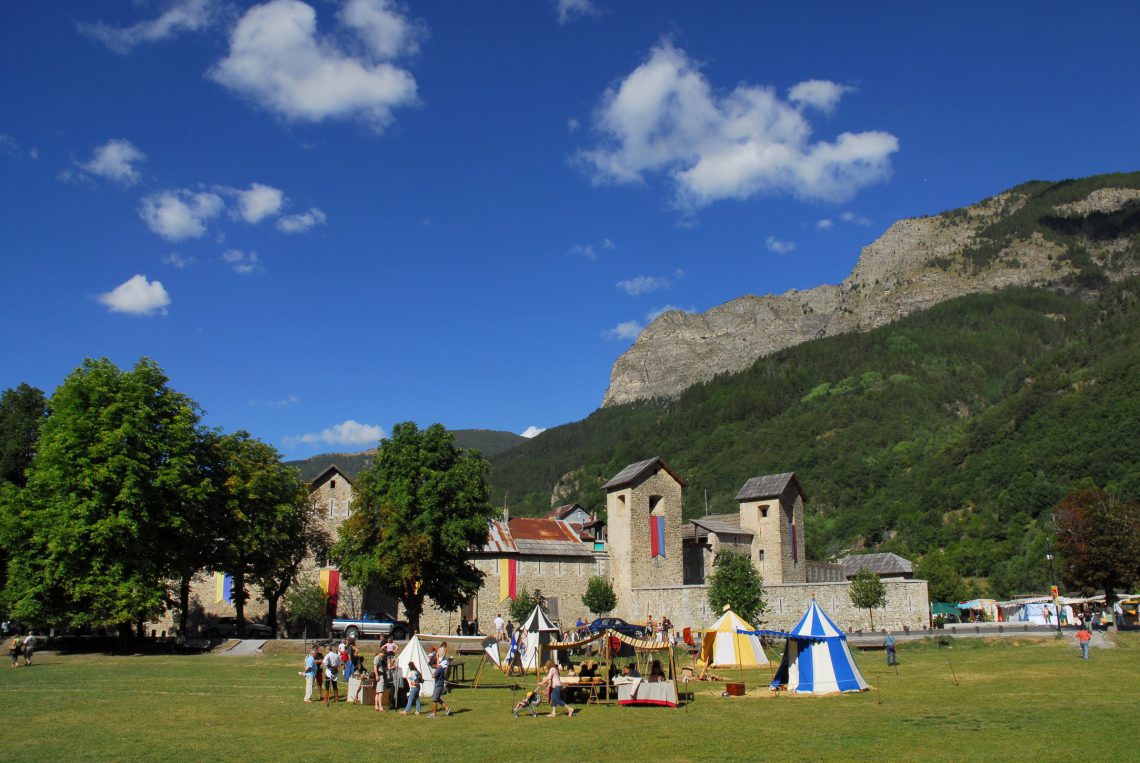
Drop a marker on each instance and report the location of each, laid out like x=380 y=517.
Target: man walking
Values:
x=1083 y=638
x=440 y=677
x=500 y=625
x=889 y=645
x=29 y=647
x=332 y=667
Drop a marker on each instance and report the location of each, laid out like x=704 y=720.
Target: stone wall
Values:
x=628 y=511
x=908 y=604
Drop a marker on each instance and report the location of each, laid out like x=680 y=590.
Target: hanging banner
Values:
x=330 y=586
x=223 y=588
x=508 y=579
x=795 y=551
x=656 y=537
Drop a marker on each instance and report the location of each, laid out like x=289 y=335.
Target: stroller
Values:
x=529 y=702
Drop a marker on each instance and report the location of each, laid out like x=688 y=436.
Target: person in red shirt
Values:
x=1083 y=638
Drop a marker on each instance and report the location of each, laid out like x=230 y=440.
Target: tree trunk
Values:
x=272 y=599
x=871 y=614
x=414 y=607
x=238 y=590
x=184 y=606
x=140 y=629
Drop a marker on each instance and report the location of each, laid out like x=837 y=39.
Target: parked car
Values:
x=379 y=624
x=227 y=627
x=617 y=624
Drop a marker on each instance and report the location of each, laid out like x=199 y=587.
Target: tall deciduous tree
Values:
x=22 y=411
x=417 y=513
x=736 y=583
x=1098 y=537
x=868 y=592
x=115 y=466
x=266 y=519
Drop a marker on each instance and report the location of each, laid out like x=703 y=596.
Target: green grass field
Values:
x=1013 y=699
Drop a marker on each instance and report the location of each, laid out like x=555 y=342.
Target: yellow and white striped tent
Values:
x=723 y=647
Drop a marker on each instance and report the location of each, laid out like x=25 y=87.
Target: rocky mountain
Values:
x=1069 y=236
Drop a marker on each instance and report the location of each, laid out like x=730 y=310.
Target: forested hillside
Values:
x=956 y=429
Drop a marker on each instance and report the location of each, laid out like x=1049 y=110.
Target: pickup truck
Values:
x=380 y=624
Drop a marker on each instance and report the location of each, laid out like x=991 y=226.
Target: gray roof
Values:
x=721 y=524
x=634 y=472
x=879 y=563
x=769 y=486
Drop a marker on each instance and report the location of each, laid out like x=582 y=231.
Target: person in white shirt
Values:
x=500 y=627
x=310 y=673
x=332 y=667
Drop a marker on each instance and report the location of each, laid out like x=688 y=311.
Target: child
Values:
x=413 y=679
x=529 y=702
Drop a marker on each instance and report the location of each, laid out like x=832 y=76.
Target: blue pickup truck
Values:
x=380 y=624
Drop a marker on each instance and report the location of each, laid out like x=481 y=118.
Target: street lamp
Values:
x=1056 y=590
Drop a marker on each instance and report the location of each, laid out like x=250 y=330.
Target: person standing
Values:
x=379 y=680
x=1083 y=638
x=413 y=680
x=500 y=627
x=889 y=645
x=310 y=673
x=440 y=677
x=14 y=651
x=555 y=682
x=332 y=667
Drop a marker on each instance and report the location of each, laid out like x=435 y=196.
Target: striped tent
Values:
x=723 y=646
x=817 y=659
x=539 y=630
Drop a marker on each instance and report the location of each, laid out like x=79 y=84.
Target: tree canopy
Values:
x=736 y=582
x=22 y=411
x=1098 y=536
x=417 y=512
x=868 y=592
x=599 y=597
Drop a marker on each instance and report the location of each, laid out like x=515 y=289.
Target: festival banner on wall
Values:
x=795 y=552
x=508 y=579
x=330 y=585
x=656 y=537
x=223 y=588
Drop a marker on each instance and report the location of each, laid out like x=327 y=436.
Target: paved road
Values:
x=244 y=647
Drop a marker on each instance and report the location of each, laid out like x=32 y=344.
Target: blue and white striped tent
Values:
x=816 y=659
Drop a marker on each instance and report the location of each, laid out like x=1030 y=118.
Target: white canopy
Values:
x=413 y=652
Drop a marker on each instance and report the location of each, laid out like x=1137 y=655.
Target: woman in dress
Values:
x=555 y=682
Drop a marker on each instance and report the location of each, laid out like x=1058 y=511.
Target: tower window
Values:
x=761 y=554
x=332 y=484
x=764 y=511
x=655 y=504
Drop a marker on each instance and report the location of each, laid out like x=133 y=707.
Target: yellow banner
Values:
x=504 y=579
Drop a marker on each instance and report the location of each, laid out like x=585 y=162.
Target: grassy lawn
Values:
x=1013 y=699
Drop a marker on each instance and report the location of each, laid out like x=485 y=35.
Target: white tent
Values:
x=723 y=647
x=413 y=652
x=817 y=659
x=539 y=630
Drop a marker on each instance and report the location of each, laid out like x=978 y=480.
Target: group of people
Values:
x=25 y=646
x=322 y=672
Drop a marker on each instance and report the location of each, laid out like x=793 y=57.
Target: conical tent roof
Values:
x=817 y=659
x=538 y=621
x=413 y=652
x=723 y=647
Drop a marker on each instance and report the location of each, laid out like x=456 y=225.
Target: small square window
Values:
x=763 y=511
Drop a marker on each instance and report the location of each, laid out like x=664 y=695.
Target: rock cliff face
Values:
x=916 y=264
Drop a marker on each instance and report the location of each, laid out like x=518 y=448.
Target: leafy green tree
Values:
x=943 y=580
x=306 y=606
x=868 y=592
x=22 y=411
x=599 y=597
x=114 y=469
x=523 y=605
x=736 y=583
x=266 y=519
x=1098 y=537
x=417 y=513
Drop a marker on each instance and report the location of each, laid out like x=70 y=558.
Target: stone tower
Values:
x=772 y=509
x=639 y=499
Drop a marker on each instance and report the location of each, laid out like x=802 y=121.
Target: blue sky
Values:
x=322 y=218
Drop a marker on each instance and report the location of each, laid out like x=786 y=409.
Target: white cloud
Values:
x=137 y=296
x=385 y=30
x=572 y=124
x=241 y=262
x=349 y=432
x=301 y=222
x=277 y=60
x=780 y=247
x=280 y=404
x=855 y=219
x=644 y=284
x=259 y=201
x=569 y=9
x=665 y=119
x=176 y=260
x=824 y=224
x=115 y=160
x=584 y=250
x=532 y=431
x=818 y=94
x=179 y=16
x=624 y=330
x=180 y=214
x=607 y=244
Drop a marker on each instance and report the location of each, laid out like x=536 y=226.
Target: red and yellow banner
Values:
x=508 y=579
x=330 y=585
